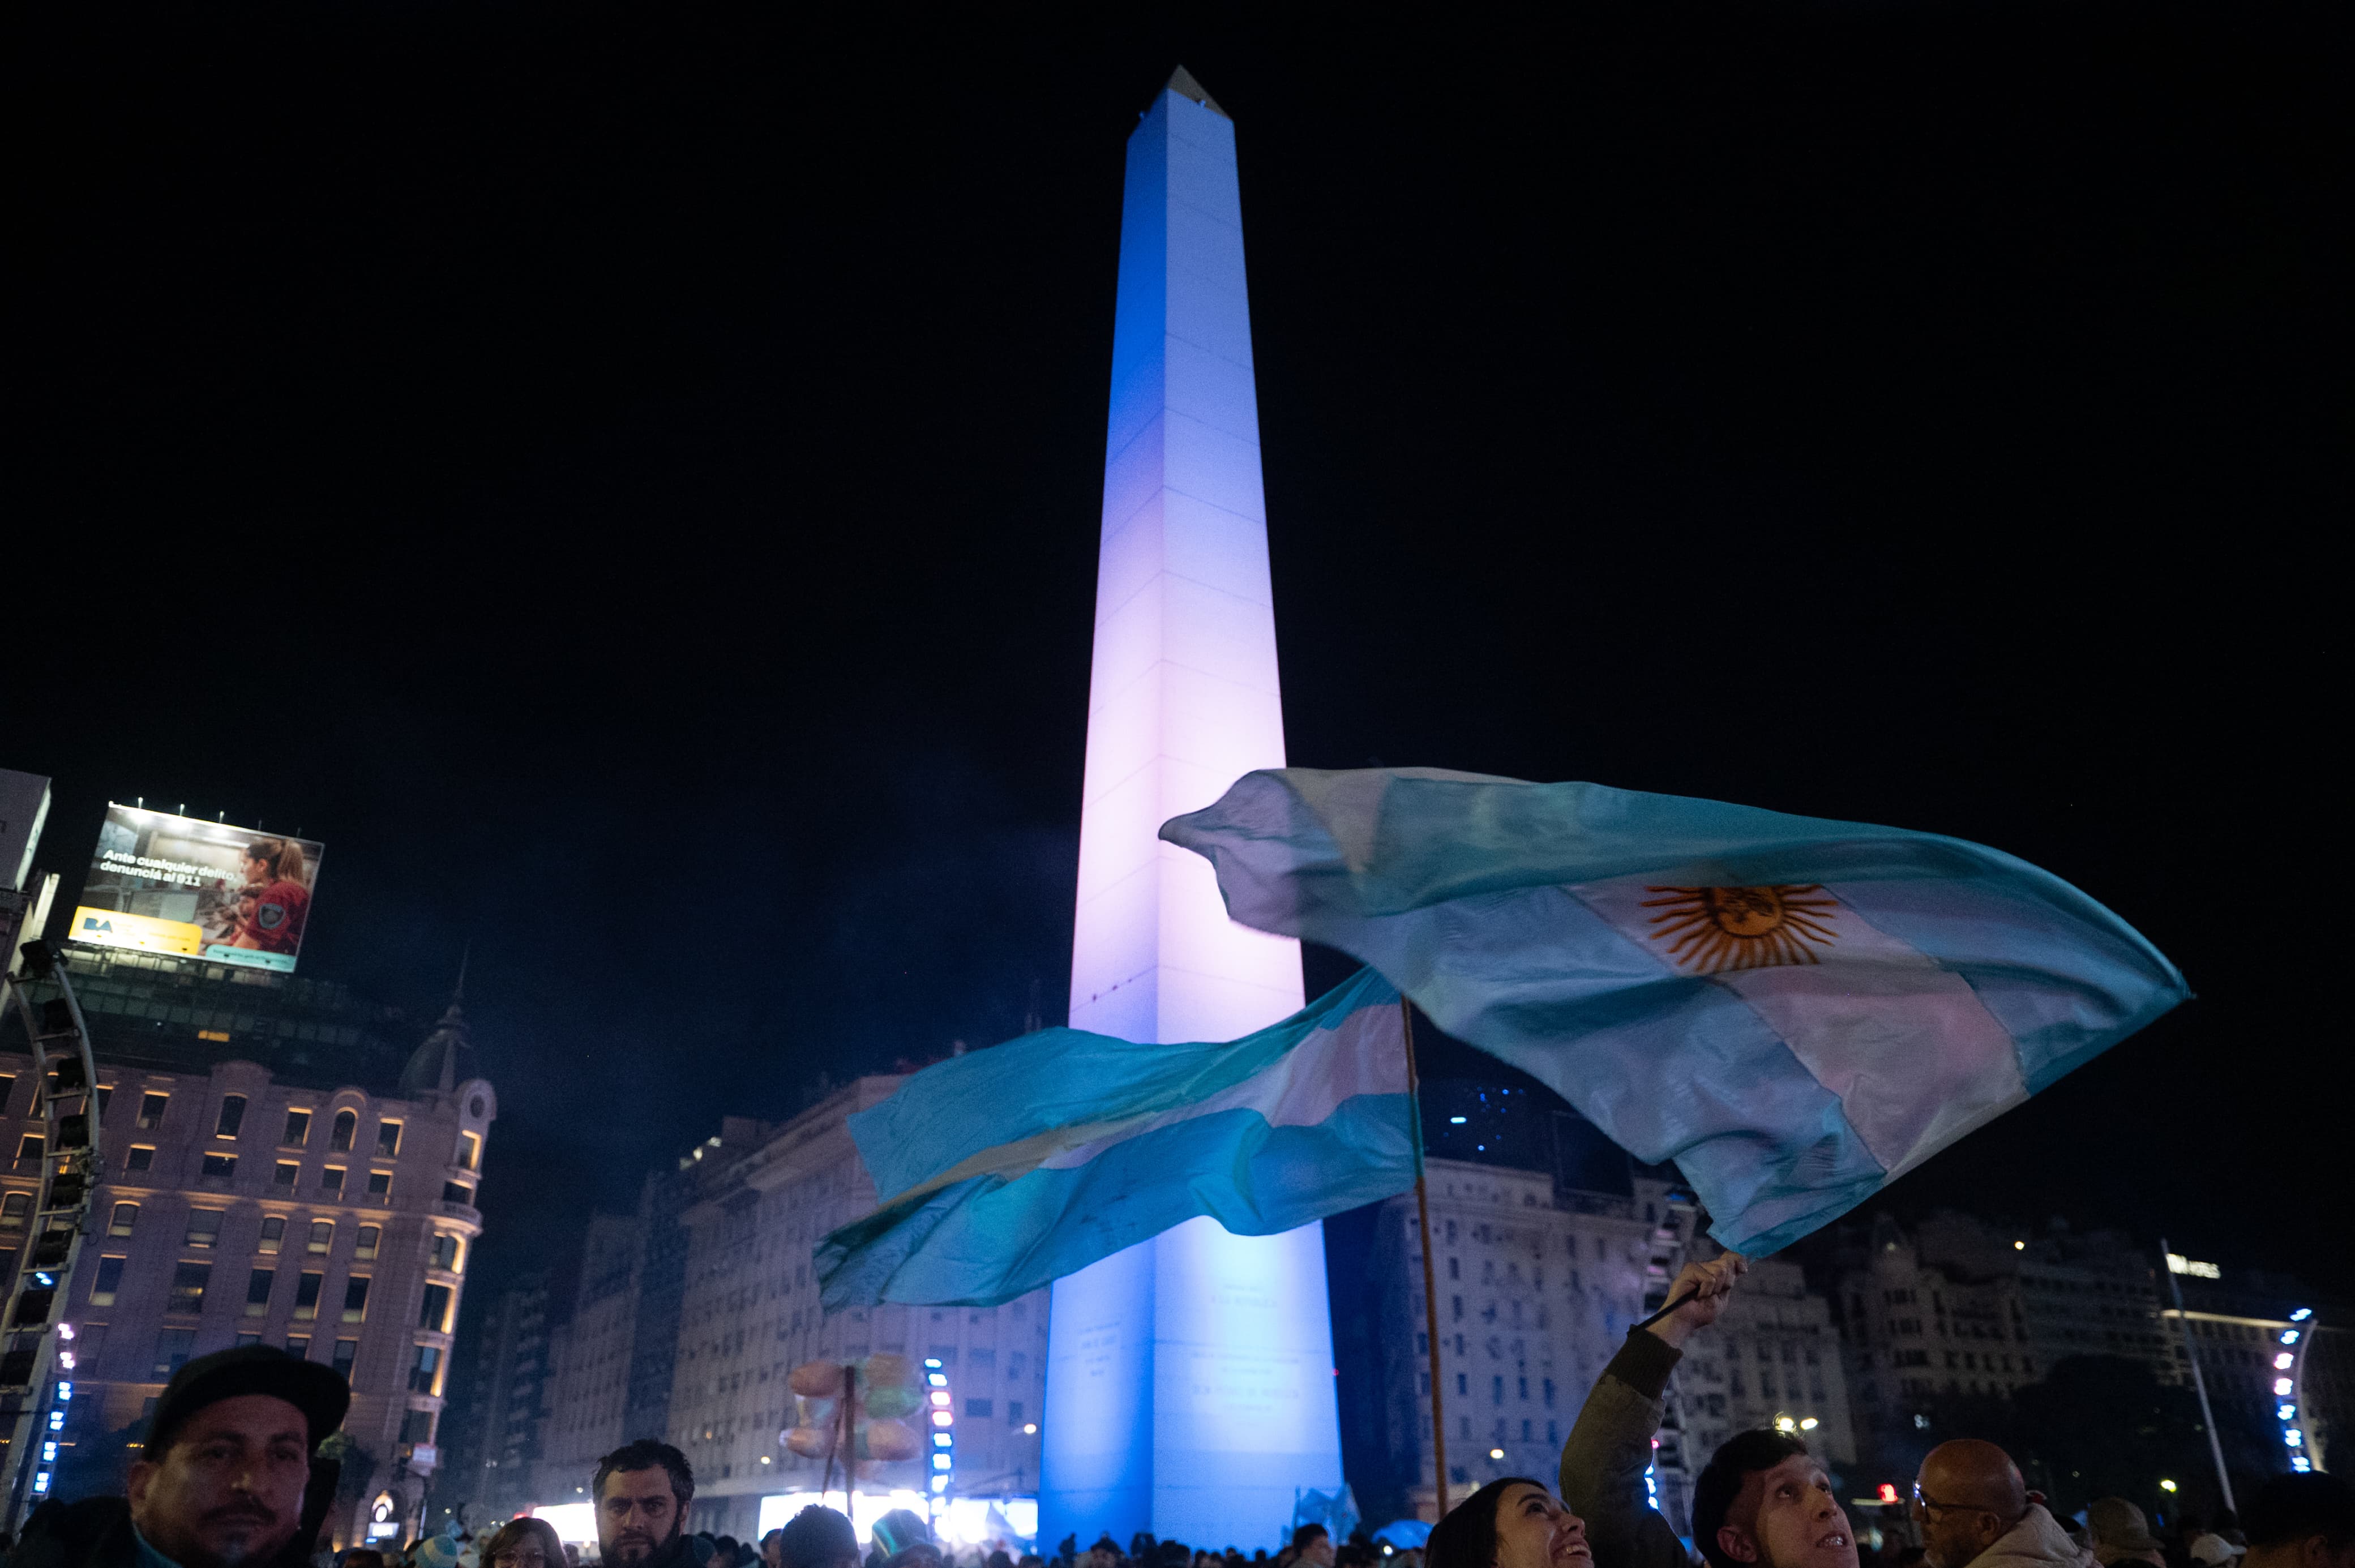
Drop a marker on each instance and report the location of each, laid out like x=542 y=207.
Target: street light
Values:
x=2166 y=1485
x=1495 y=1453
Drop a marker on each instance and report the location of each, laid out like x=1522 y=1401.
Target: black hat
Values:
x=321 y=1395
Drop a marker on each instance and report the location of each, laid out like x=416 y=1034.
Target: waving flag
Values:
x=1012 y=1167
x=1795 y=1010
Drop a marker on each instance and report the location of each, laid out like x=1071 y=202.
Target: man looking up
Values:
x=1972 y=1508
x=1764 y=1501
x=1313 y=1543
x=642 y=1491
x=2301 y=1522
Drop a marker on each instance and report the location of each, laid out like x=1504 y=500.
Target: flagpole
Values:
x=1429 y=1278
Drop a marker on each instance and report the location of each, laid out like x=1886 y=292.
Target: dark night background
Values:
x=627 y=480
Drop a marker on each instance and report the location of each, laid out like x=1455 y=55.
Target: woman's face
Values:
x=1535 y=1530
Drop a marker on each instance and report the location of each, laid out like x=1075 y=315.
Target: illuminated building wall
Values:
x=1190 y=1379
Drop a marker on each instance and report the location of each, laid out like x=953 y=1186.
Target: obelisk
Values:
x=1189 y=1379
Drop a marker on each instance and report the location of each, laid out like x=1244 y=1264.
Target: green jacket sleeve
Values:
x=1610 y=1449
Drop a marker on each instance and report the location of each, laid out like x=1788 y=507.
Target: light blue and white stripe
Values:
x=1953 y=981
x=1013 y=1167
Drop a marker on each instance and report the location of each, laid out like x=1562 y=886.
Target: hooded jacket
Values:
x=2037 y=1540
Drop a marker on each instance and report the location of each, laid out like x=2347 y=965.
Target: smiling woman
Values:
x=1510 y=1523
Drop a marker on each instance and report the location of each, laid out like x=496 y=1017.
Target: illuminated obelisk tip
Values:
x=1189 y=1379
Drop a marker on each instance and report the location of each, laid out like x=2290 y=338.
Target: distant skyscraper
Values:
x=1189 y=1379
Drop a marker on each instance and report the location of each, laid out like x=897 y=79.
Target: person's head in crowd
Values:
x=220 y=1480
x=2302 y=1521
x=2121 y=1534
x=1509 y=1523
x=903 y=1538
x=1968 y=1496
x=523 y=1543
x=641 y=1491
x=818 y=1538
x=772 y=1549
x=1103 y=1554
x=1313 y=1543
x=361 y=1557
x=1763 y=1500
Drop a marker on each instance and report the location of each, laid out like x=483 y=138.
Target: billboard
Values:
x=205 y=889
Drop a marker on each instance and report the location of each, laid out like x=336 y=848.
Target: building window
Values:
x=151 y=1111
x=356 y=1291
x=232 y=1116
x=125 y=1220
x=307 y=1296
x=345 y=1350
x=298 y=1129
x=421 y=1374
x=299 y=1346
x=173 y=1349
x=457 y=1192
x=274 y=1232
x=417 y=1426
x=364 y=1243
x=445 y=1254
x=204 y=1227
x=141 y=1157
x=33 y=1146
x=323 y=1235
x=434 y=1314
x=388 y=1138
x=257 y=1291
x=1013 y=1413
x=332 y=1180
x=470 y=1151
x=109 y=1280
x=12 y=1210
x=379 y=1187
x=1497 y=1391
x=340 y=1137
x=8 y=1087
x=220 y=1167
x=977 y=1409
x=286 y=1175
x=188 y=1282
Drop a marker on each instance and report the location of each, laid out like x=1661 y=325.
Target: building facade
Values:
x=588 y=1389
x=502 y=1373
x=1534 y=1297
x=1958 y=1308
x=748 y=1315
x=251 y=1204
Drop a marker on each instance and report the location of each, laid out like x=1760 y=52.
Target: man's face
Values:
x=229 y=1489
x=1953 y=1536
x=1787 y=1518
x=637 y=1514
x=1320 y=1552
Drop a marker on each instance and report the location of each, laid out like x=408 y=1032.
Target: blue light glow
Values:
x=1187 y=1378
x=1457 y=1121
x=65 y=1393
x=56 y=1420
x=2301 y=1315
x=2289 y=1335
x=932 y=1363
x=939 y=1461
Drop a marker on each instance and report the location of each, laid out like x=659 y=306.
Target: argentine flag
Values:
x=1795 y=1010
x=1009 y=1168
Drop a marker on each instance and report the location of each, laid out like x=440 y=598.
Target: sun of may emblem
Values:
x=1712 y=930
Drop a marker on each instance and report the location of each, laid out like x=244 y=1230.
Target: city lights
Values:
x=1810 y=1424
x=2166 y=1485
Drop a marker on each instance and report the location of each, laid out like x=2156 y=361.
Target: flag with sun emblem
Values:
x=1794 y=1009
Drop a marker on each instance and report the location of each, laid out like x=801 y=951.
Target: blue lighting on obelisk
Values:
x=1189 y=1383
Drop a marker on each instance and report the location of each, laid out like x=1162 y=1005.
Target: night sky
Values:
x=628 y=479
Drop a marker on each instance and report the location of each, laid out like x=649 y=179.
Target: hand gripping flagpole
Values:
x=1430 y=1279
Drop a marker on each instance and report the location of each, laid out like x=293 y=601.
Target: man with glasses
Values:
x=642 y=1491
x=1974 y=1512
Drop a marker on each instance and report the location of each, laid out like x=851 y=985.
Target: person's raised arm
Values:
x=1610 y=1447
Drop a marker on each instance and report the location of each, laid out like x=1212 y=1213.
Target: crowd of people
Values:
x=230 y=1477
